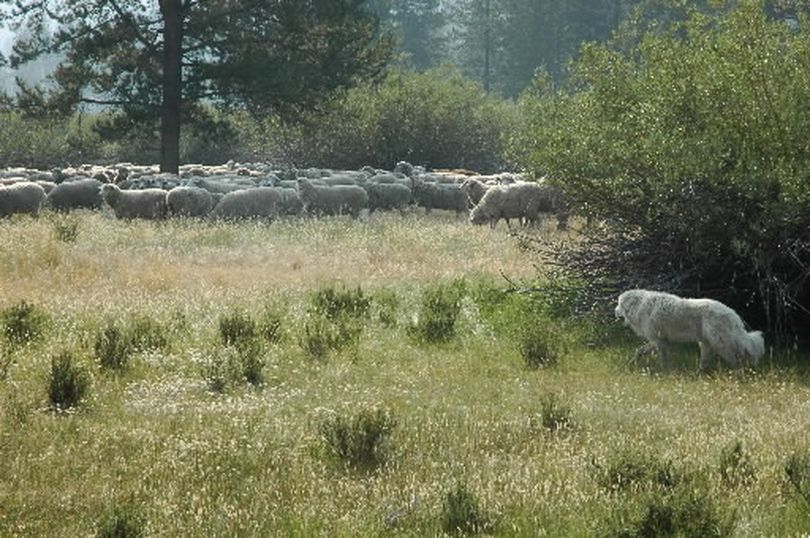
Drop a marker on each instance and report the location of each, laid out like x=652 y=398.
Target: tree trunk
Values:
x=172 y=12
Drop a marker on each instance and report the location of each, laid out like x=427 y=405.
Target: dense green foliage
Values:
x=437 y=119
x=689 y=139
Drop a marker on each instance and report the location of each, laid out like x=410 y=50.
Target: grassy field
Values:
x=177 y=443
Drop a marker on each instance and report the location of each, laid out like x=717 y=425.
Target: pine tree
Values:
x=161 y=59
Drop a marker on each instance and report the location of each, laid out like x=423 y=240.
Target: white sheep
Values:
x=291 y=203
x=387 y=196
x=81 y=193
x=22 y=197
x=523 y=201
x=189 y=201
x=258 y=202
x=335 y=200
x=135 y=204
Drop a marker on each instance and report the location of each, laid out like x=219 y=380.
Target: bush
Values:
x=437 y=119
x=633 y=471
x=230 y=366
x=439 y=311
x=147 y=334
x=555 y=416
x=112 y=347
x=681 y=512
x=736 y=467
x=123 y=522
x=68 y=383
x=23 y=323
x=536 y=349
x=388 y=304
x=269 y=325
x=461 y=513
x=797 y=473
x=356 y=442
x=334 y=303
x=236 y=327
x=697 y=201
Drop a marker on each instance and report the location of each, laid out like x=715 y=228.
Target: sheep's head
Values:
x=478 y=215
x=110 y=193
x=627 y=304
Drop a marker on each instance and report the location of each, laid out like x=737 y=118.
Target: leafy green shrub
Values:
x=439 y=311
x=437 y=118
x=680 y=512
x=236 y=327
x=68 y=383
x=124 y=522
x=112 y=347
x=23 y=323
x=46 y=142
x=736 y=467
x=252 y=362
x=333 y=303
x=797 y=473
x=461 y=513
x=633 y=471
x=356 y=442
x=694 y=198
x=555 y=416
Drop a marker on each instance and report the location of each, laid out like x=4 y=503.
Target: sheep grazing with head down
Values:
x=335 y=200
x=526 y=202
x=474 y=189
x=23 y=197
x=78 y=194
x=135 y=204
x=189 y=201
x=255 y=203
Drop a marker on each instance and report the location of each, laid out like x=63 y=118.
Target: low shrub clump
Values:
x=112 y=347
x=736 y=467
x=555 y=416
x=633 y=471
x=23 y=323
x=236 y=327
x=461 y=513
x=357 y=442
x=68 y=383
x=124 y=522
x=230 y=366
x=439 y=310
x=797 y=473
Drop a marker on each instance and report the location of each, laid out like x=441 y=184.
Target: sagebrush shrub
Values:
x=124 y=522
x=145 y=333
x=68 y=383
x=333 y=303
x=356 y=441
x=23 y=323
x=461 y=513
x=537 y=349
x=388 y=303
x=112 y=347
x=439 y=310
x=634 y=471
x=797 y=474
x=681 y=512
x=235 y=327
x=736 y=467
x=222 y=369
x=554 y=415
x=269 y=325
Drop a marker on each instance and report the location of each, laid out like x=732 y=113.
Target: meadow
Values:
x=284 y=380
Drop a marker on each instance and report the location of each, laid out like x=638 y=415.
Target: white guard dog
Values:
x=661 y=318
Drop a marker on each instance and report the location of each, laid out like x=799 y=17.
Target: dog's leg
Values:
x=663 y=354
x=705 y=355
x=640 y=352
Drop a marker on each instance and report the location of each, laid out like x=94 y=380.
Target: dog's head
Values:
x=628 y=301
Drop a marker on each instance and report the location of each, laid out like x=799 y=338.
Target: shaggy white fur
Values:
x=662 y=318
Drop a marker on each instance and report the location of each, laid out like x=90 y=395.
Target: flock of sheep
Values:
x=233 y=191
